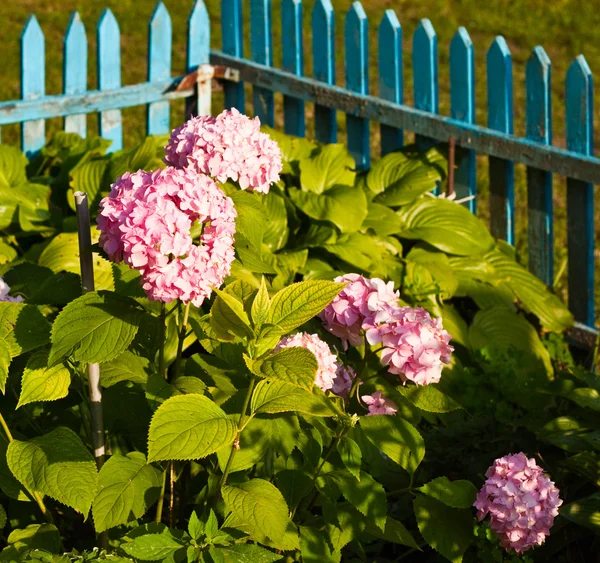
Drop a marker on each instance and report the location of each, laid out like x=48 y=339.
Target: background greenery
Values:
x=564 y=27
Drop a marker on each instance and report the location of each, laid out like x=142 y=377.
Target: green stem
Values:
x=182 y=335
x=37 y=497
x=236 y=442
x=163 y=337
x=161 y=499
x=358 y=377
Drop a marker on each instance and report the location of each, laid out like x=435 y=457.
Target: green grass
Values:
x=565 y=28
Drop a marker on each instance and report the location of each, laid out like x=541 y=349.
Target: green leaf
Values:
x=153 y=547
x=12 y=166
x=396 y=438
x=188 y=427
x=5 y=360
x=195 y=527
x=344 y=206
x=394 y=532
x=584 y=512
x=428 y=398
x=457 y=494
x=445 y=225
x=292 y=148
x=96 y=327
x=315 y=547
x=294 y=485
x=351 y=455
x=585 y=397
x=88 y=177
x=228 y=315
x=43 y=383
x=23 y=327
x=243 y=553
x=276 y=230
x=455 y=325
x=399 y=179
x=300 y=302
x=127 y=487
x=382 y=220
x=333 y=165
x=277 y=396
x=36 y=536
x=586 y=464
x=58 y=465
x=261 y=303
x=257 y=507
x=251 y=219
x=294 y=365
x=366 y=495
x=3 y=518
x=127 y=367
x=8 y=484
x=448 y=530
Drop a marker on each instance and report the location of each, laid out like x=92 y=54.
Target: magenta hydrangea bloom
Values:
x=344 y=376
x=327 y=362
x=4 y=296
x=147 y=221
x=229 y=146
x=521 y=500
x=362 y=301
x=378 y=404
x=415 y=346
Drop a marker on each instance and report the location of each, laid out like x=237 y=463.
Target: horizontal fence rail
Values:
x=364 y=98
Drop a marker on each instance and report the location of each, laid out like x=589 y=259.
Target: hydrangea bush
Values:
x=289 y=373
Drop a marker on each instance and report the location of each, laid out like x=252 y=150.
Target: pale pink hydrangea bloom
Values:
x=4 y=296
x=229 y=146
x=415 y=346
x=146 y=221
x=378 y=404
x=344 y=376
x=521 y=500
x=362 y=301
x=327 y=363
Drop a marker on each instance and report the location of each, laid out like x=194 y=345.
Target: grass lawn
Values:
x=565 y=28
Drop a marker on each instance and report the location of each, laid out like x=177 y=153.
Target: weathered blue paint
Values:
x=261 y=43
x=425 y=73
x=580 y=195
x=323 y=44
x=75 y=70
x=391 y=83
x=539 y=183
x=198 y=52
x=159 y=67
x=109 y=76
x=33 y=80
x=357 y=80
x=500 y=117
x=293 y=61
x=462 y=107
x=232 y=28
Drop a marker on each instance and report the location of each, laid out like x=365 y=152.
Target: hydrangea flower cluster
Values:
x=147 y=222
x=229 y=146
x=4 y=296
x=330 y=375
x=415 y=346
x=378 y=404
x=521 y=500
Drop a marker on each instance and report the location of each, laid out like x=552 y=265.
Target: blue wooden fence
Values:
x=497 y=139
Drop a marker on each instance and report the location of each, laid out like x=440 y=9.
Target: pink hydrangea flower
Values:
x=362 y=301
x=344 y=376
x=327 y=362
x=521 y=500
x=4 y=296
x=229 y=146
x=378 y=404
x=147 y=222
x=415 y=345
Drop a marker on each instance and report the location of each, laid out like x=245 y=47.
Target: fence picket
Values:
x=323 y=43
x=159 y=67
x=500 y=118
x=233 y=44
x=198 y=52
x=293 y=61
x=357 y=80
x=261 y=43
x=425 y=73
x=75 y=70
x=462 y=107
x=110 y=122
x=391 y=85
x=540 y=212
x=580 y=195
x=33 y=80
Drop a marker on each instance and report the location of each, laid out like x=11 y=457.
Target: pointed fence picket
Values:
x=496 y=140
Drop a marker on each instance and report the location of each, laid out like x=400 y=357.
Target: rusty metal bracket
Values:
x=206 y=73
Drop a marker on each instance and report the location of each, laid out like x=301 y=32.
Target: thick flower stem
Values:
x=36 y=496
x=236 y=442
x=161 y=499
x=182 y=333
x=163 y=337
